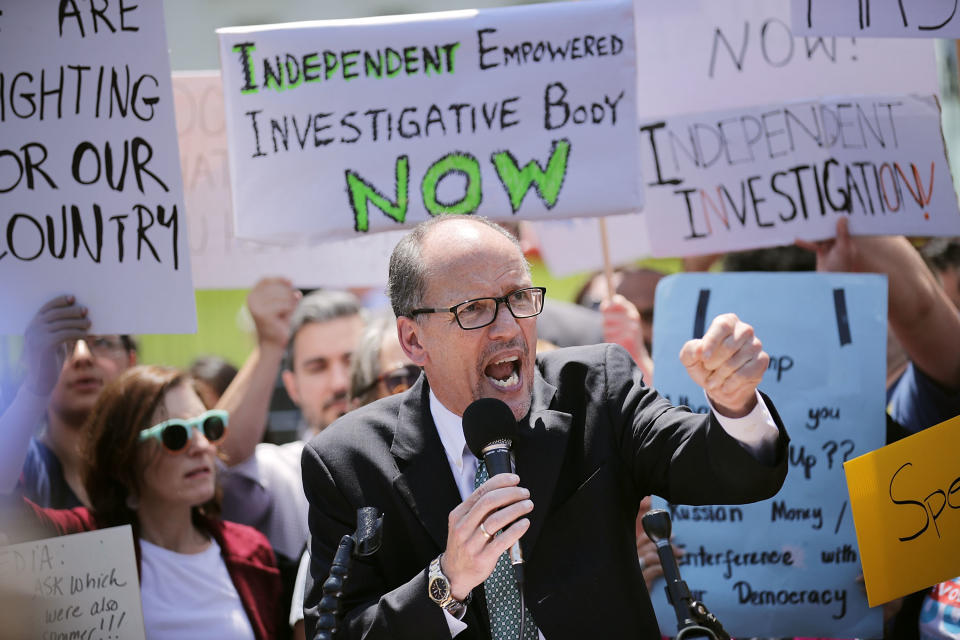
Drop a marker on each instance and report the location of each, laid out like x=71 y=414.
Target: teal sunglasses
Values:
x=174 y=434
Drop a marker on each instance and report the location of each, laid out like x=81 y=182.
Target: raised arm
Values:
x=58 y=321
x=271 y=302
x=921 y=315
x=621 y=325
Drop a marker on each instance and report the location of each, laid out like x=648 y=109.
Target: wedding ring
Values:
x=643 y=563
x=483 y=530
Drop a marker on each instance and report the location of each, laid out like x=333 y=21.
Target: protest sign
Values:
x=876 y=18
x=765 y=176
x=703 y=55
x=903 y=502
x=708 y=55
x=92 y=198
x=220 y=260
x=573 y=246
x=79 y=586
x=343 y=127
x=787 y=566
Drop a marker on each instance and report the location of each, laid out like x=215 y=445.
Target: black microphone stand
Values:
x=362 y=543
x=694 y=620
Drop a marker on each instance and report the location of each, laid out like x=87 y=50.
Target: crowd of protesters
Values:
x=91 y=439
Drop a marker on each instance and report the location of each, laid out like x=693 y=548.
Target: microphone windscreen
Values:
x=486 y=420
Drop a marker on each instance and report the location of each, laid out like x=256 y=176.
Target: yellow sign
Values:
x=905 y=500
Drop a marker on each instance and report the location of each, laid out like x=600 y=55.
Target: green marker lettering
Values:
x=374 y=66
x=431 y=60
x=246 y=49
x=273 y=78
x=311 y=64
x=450 y=53
x=330 y=62
x=292 y=67
x=393 y=54
x=349 y=61
x=457 y=162
x=362 y=194
x=517 y=181
x=410 y=60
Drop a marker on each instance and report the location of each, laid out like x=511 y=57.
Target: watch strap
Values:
x=456 y=608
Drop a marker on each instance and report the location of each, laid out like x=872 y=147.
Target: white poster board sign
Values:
x=79 y=586
x=219 y=259
x=765 y=176
x=704 y=55
x=787 y=566
x=344 y=127
x=876 y=18
x=92 y=201
x=574 y=246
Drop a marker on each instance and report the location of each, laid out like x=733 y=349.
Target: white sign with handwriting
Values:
x=78 y=586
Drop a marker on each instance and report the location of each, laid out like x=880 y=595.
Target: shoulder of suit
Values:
x=592 y=355
x=378 y=418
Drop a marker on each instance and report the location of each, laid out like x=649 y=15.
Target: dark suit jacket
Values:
x=596 y=441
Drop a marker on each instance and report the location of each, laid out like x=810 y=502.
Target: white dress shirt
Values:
x=756 y=431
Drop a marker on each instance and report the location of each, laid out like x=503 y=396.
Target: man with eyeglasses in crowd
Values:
x=592 y=442
x=52 y=474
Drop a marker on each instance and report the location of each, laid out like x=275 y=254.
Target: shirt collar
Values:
x=450 y=428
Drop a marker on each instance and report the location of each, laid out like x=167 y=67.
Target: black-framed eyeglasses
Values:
x=100 y=346
x=479 y=312
x=396 y=380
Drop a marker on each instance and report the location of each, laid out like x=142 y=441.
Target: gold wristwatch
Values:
x=438 y=588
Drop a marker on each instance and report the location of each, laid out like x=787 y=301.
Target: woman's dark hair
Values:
x=113 y=473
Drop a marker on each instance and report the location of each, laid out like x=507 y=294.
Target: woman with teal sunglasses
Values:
x=152 y=463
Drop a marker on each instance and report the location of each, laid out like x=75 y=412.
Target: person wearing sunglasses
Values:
x=379 y=367
x=151 y=462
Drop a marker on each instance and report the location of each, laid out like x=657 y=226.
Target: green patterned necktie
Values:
x=503 y=597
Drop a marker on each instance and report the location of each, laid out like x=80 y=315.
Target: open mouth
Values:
x=504 y=373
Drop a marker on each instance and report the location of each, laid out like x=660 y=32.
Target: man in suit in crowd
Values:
x=592 y=442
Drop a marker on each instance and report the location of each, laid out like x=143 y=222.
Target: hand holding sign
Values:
x=728 y=362
x=58 y=321
x=838 y=255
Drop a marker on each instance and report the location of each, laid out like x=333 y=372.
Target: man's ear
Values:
x=290 y=384
x=408 y=332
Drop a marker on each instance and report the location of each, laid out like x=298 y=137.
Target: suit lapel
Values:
x=424 y=479
x=539 y=454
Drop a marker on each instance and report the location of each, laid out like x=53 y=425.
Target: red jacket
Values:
x=246 y=552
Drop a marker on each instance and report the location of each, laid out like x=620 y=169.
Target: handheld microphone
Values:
x=490 y=429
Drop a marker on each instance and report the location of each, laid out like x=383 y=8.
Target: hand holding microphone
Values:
x=498 y=505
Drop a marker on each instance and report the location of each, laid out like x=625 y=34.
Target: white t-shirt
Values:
x=190 y=596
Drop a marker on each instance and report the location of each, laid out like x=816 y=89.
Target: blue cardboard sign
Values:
x=787 y=566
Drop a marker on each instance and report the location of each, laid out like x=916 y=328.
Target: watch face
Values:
x=439 y=589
